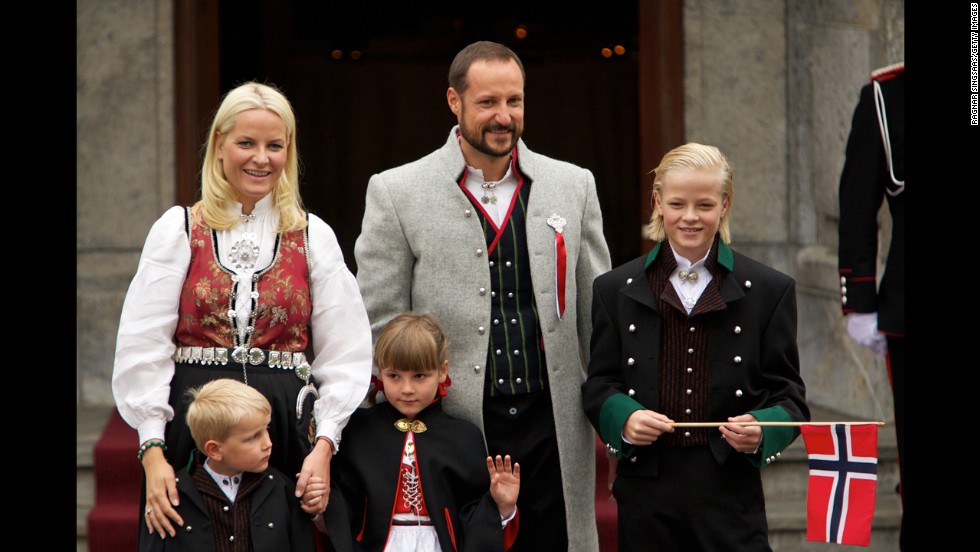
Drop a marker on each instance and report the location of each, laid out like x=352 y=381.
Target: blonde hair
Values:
x=412 y=342
x=695 y=157
x=217 y=406
x=216 y=191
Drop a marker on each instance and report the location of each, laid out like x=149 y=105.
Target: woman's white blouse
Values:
x=340 y=330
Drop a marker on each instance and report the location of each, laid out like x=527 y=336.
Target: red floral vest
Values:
x=281 y=295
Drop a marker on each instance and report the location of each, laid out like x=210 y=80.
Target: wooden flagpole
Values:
x=718 y=424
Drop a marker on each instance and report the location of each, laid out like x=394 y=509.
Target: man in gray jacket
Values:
x=501 y=244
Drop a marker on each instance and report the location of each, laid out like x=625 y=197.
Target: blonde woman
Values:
x=244 y=284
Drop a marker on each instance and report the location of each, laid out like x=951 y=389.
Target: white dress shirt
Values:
x=689 y=291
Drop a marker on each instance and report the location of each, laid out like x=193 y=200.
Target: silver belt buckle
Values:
x=240 y=355
x=255 y=356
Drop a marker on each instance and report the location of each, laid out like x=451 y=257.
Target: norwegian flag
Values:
x=840 y=502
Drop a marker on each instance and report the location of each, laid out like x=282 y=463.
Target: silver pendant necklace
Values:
x=489 y=187
x=245 y=251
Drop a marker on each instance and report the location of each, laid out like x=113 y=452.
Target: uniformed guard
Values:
x=874 y=171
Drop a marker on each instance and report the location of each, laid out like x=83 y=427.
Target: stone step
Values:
x=787 y=527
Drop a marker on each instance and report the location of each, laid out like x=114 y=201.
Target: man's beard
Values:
x=479 y=142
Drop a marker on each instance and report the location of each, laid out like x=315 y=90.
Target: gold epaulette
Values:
x=888 y=72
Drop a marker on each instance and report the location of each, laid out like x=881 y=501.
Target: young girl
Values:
x=409 y=476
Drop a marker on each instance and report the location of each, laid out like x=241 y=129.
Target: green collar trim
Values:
x=725 y=256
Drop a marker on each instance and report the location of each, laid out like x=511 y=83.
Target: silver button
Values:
x=517 y=353
x=843 y=280
x=188 y=528
x=491 y=264
x=272 y=525
x=510 y=295
x=225 y=508
x=631 y=392
x=476 y=368
x=692 y=329
x=632 y=328
x=493 y=294
x=738 y=393
x=513 y=321
x=738 y=330
x=480 y=252
x=687 y=434
x=496 y=322
x=690 y=370
x=690 y=351
x=689 y=391
x=498 y=352
x=467 y=213
x=629 y=281
x=519 y=381
x=748 y=284
x=630 y=361
x=231 y=538
x=507 y=264
x=500 y=381
x=483 y=291
x=482 y=330
x=513 y=411
x=777 y=454
x=687 y=411
x=633 y=460
x=843 y=289
x=737 y=359
x=843 y=300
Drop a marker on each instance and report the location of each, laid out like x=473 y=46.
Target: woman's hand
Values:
x=161 y=494
x=316 y=464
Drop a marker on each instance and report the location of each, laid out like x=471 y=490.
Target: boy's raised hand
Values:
x=505 y=483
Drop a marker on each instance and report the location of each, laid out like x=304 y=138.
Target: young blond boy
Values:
x=230 y=498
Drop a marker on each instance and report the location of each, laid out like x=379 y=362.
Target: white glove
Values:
x=863 y=328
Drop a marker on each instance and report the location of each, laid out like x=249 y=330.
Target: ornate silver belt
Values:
x=222 y=355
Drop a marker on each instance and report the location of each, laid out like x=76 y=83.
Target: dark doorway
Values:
x=367 y=80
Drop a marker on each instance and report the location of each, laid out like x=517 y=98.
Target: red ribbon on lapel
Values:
x=558 y=223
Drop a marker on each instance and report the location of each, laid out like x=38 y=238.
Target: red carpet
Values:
x=605 y=506
x=113 y=520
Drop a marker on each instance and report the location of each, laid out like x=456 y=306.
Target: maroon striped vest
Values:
x=684 y=348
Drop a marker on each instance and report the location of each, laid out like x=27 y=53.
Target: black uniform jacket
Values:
x=753 y=361
x=868 y=178
x=278 y=524
x=451 y=456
